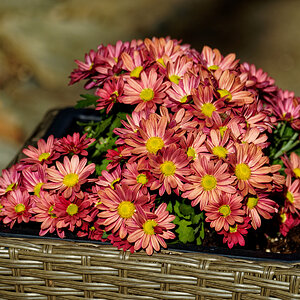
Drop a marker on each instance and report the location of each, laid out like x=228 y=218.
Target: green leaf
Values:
x=185 y=232
x=170 y=207
x=197 y=218
x=87 y=101
x=186 y=209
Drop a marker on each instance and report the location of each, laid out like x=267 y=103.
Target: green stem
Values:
x=282 y=129
x=288 y=146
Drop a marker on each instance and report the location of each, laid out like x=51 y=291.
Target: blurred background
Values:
x=39 y=41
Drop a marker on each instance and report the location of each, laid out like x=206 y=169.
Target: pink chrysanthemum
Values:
x=213 y=60
x=209 y=182
x=254 y=136
x=109 y=179
x=43 y=210
x=225 y=212
x=69 y=176
x=116 y=241
x=292 y=165
x=147 y=92
x=231 y=89
x=287 y=222
x=251 y=169
x=150 y=230
x=151 y=137
x=176 y=70
x=118 y=206
x=137 y=177
x=170 y=167
x=33 y=181
x=260 y=205
x=17 y=206
x=109 y=94
x=134 y=64
x=236 y=233
x=115 y=157
x=9 y=180
x=72 y=214
x=74 y=144
x=45 y=153
x=292 y=196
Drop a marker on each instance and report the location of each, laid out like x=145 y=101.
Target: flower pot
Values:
x=34 y=267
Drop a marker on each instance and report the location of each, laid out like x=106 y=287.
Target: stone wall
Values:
x=39 y=41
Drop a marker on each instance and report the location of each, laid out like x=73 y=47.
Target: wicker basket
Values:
x=39 y=268
x=57 y=269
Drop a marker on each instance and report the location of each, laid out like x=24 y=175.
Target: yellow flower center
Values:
x=225 y=210
x=222 y=130
x=154 y=144
x=208 y=182
x=136 y=72
x=147 y=95
x=142 y=178
x=213 y=68
x=72 y=209
x=283 y=217
x=11 y=187
x=149 y=226
x=37 y=189
x=242 y=172
x=161 y=61
x=52 y=215
x=225 y=93
x=20 y=208
x=219 y=151
x=168 y=168
x=233 y=229
x=126 y=209
x=297 y=172
x=191 y=152
x=183 y=99
x=92 y=228
x=252 y=202
x=290 y=197
x=44 y=156
x=1 y=206
x=70 y=179
x=175 y=78
x=207 y=109
x=91 y=66
x=112 y=185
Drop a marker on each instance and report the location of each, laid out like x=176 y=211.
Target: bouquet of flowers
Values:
x=189 y=143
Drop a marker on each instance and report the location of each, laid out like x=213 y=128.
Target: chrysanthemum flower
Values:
x=170 y=167
x=287 y=222
x=205 y=105
x=194 y=144
x=17 y=206
x=219 y=146
x=150 y=230
x=114 y=156
x=231 y=89
x=137 y=177
x=73 y=213
x=152 y=136
x=118 y=206
x=260 y=205
x=147 y=92
x=9 y=180
x=176 y=70
x=69 y=176
x=210 y=181
x=45 y=153
x=254 y=136
x=292 y=165
x=213 y=59
x=236 y=233
x=74 y=144
x=162 y=49
x=134 y=64
x=292 y=196
x=181 y=93
x=109 y=94
x=251 y=168
x=43 y=210
x=33 y=181
x=109 y=179
x=225 y=212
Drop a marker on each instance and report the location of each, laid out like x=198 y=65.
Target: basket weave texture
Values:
x=58 y=269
